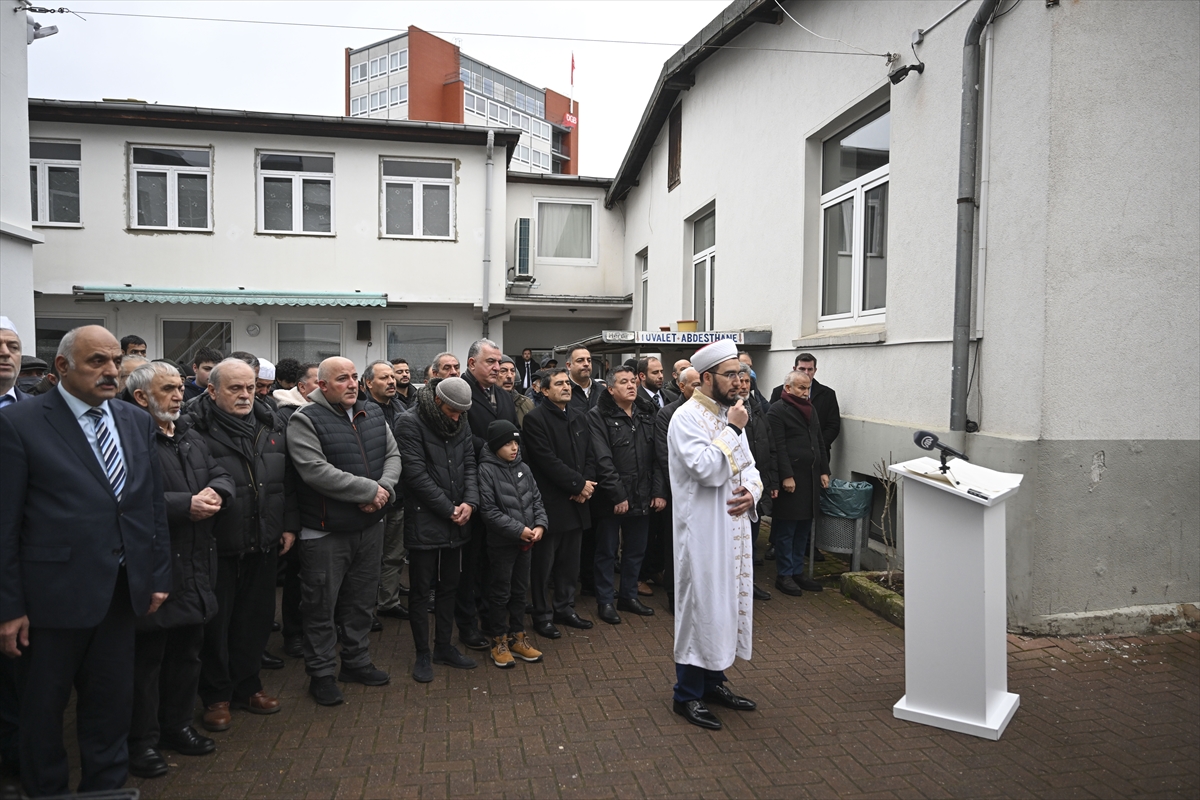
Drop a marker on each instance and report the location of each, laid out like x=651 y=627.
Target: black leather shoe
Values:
x=187 y=742
x=695 y=712
x=808 y=584
x=276 y=627
x=634 y=606
x=293 y=647
x=271 y=662
x=761 y=594
x=423 y=668
x=397 y=611
x=608 y=613
x=147 y=764
x=785 y=584
x=723 y=697
x=453 y=658
x=819 y=556
x=573 y=620
x=546 y=630
x=474 y=640
x=769 y=555
x=376 y=624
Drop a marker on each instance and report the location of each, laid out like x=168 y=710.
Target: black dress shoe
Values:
x=723 y=697
x=607 y=613
x=271 y=662
x=293 y=647
x=546 y=630
x=761 y=594
x=147 y=764
x=634 y=606
x=769 y=555
x=808 y=584
x=397 y=611
x=376 y=624
x=276 y=627
x=819 y=556
x=474 y=640
x=695 y=712
x=187 y=742
x=573 y=620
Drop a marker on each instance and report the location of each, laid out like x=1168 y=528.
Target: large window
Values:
x=418 y=199
x=566 y=232
x=674 y=145
x=54 y=182
x=417 y=343
x=854 y=213
x=170 y=188
x=309 y=342
x=295 y=193
x=704 y=271
x=644 y=258
x=182 y=338
x=50 y=331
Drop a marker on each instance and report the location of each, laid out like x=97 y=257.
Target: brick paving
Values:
x=1101 y=717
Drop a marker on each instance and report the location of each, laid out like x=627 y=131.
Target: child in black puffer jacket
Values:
x=515 y=517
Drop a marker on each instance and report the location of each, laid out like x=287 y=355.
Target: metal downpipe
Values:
x=965 y=246
x=487 y=233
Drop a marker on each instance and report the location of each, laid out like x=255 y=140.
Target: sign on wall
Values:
x=672 y=337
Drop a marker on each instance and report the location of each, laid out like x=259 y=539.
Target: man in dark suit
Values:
x=558 y=451
x=526 y=366
x=83 y=527
x=10 y=364
x=823 y=399
x=687 y=380
x=489 y=402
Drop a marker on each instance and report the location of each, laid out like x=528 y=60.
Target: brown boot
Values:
x=522 y=649
x=257 y=703
x=217 y=717
x=500 y=655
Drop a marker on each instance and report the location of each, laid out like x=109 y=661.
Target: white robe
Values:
x=714 y=560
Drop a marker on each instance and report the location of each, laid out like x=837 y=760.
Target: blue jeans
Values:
x=790 y=537
x=692 y=682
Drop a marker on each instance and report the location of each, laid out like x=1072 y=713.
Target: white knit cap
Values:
x=7 y=324
x=266 y=370
x=710 y=355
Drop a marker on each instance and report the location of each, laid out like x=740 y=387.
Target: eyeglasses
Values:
x=729 y=375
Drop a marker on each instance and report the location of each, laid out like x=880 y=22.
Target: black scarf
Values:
x=237 y=428
x=432 y=416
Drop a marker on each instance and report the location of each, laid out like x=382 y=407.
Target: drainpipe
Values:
x=985 y=160
x=967 y=152
x=487 y=231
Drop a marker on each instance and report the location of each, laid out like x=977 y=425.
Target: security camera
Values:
x=900 y=73
x=34 y=30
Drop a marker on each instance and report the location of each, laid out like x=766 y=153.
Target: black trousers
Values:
x=587 y=559
x=98 y=664
x=425 y=567
x=234 y=639
x=508 y=583
x=660 y=527
x=692 y=682
x=470 y=600
x=555 y=560
x=166 y=672
x=628 y=533
x=293 y=625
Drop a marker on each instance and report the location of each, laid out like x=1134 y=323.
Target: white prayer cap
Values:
x=7 y=324
x=710 y=355
x=266 y=370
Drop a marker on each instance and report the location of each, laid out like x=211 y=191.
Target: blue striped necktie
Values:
x=114 y=467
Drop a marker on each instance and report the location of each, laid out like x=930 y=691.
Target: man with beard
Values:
x=762 y=447
x=525 y=368
x=83 y=530
x=714 y=485
x=404 y=389
x=166 y=668
x=672 y=387
x=261 y=519
x=585 y=394
x=379 y=378
x=650 y=390
x=508 y=382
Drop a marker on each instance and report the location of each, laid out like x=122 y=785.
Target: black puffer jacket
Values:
x=264 y=503
x=188 y=468
x=762 y=447
x=623 y=447
x=509 y=500
x=438 y=474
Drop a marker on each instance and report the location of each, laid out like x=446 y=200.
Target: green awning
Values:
x=230 y=297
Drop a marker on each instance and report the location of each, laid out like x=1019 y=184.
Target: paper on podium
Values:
x=974 y=482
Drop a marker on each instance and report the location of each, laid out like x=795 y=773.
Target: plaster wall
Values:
x=16 y=236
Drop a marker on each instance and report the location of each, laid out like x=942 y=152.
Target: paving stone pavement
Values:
x=1098 y=718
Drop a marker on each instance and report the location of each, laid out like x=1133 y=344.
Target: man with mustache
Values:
x=10 y=364
x=255 y=526
x=83 y=530
x=167 y=647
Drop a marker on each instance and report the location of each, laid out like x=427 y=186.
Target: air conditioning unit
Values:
x=522 y=246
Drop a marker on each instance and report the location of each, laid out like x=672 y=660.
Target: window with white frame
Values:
x=644 y=258
x=308 y=342
x=182 y=338
x=54 y=182
x=295 y=193
x=418 y=199
x=170 y=188
x=704 y=271
x=416 y=343
x=358 y=73
x=398 y=61
x=566 y=231
x=398 y=94
x=359 y=106
x=854 y=211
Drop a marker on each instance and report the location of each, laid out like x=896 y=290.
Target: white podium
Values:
x=955 y=660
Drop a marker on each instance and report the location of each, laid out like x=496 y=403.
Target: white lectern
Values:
x=955 y=660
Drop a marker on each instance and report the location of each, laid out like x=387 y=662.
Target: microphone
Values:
x=929 y=441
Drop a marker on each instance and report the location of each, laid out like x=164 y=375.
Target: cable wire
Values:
x=1010 y=8
x=826 y=38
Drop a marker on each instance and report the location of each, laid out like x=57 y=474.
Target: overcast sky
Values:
x=301 y=69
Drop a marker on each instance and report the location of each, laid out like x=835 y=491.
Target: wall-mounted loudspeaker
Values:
x=364 y=330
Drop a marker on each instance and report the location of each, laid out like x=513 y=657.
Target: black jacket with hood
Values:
x=623 y=446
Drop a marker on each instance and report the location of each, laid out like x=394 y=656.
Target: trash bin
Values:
x=844 y=522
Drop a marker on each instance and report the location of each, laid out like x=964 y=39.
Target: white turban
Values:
x=266 y=370
x=713 y=354
x=7 y=324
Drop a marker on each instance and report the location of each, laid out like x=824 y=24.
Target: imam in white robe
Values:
x=714 y=559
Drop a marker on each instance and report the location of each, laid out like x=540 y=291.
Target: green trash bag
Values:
x=848 y=500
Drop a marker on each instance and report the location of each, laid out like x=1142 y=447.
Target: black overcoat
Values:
x=800 y=455
x=558 y=448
